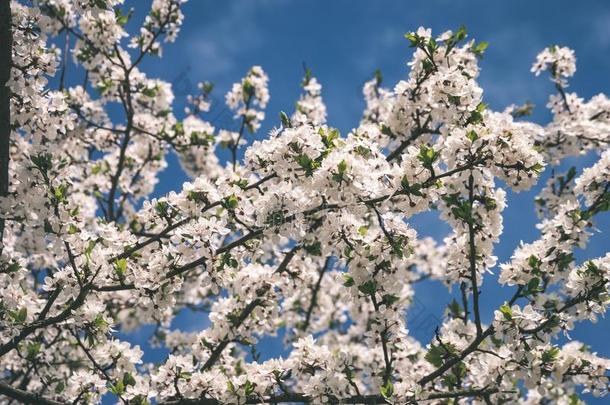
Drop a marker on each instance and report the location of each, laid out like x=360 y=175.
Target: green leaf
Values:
x=387 y=390
x=100 y=4
x=227 y=260
x=523 y=110
x=120 y=268
x=414 y=189
x=89 y=249
x=122 y=19
x=198 y=196
x=96 y=169
x=461 y=33
x=507 y=312
x=234 y=318
x=161 y=207
x=550 y=355
x=490 y=203
x=59 y=193
x=349 y=280
x=574 y=400
x=378 y=77
x=400 y=246
x=480 y=48
x=307 y=164
x=476 y=116
x=564 y=260
x=386 y=131
x=455 y=309
x=48 y=228
x=427 y=155
x=100 y=323
x=463 y=211
x=179 y=128
x=363 y=230
x=128 y=379
x=455 y=100
x=248 y=90
x=42 y=161
x=285 y=120
x=413 y=39
x=307 y=77
x=362 y=151
x=241 y=183
x=571 y=174
x=201 y=139
x=342 y=166
x=19 y=316
x=436 y=355
x=139 y=400
x=231 y=202
x=249 y=387
x=32 y=350
x=340 y=174
x=389 y=299
x=593 y=269
x=118 y=388
x=207 y=87
x=104 y=86
x=329 y=136
x=532 y=286
x=432 y=45
x=472 y=135
x=72 y=229
x=60 y=387
x=537 y=168
x=368 y=288
x=314 y=248
x=534 y=263
x=149 y=91
x=303 y=160
x=13 y=267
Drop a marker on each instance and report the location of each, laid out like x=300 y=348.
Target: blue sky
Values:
x=344 y=41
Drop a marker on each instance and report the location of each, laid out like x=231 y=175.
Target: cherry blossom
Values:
x=306 y=233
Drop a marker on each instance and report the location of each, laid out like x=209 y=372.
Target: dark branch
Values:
x=6 y=61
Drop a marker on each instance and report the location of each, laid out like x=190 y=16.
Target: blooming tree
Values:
x=307 y=234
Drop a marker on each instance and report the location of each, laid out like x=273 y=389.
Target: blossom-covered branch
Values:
x=307 y=236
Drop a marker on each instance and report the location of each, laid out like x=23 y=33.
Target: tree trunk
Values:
x=6 y=44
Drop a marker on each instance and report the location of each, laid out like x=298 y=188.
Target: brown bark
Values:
x=6 y=44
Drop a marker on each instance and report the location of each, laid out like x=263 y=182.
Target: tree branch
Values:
x=6 y=61
x=314 y=295
x=473 y=260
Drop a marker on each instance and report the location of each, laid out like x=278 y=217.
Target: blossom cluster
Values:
x=309 y=236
